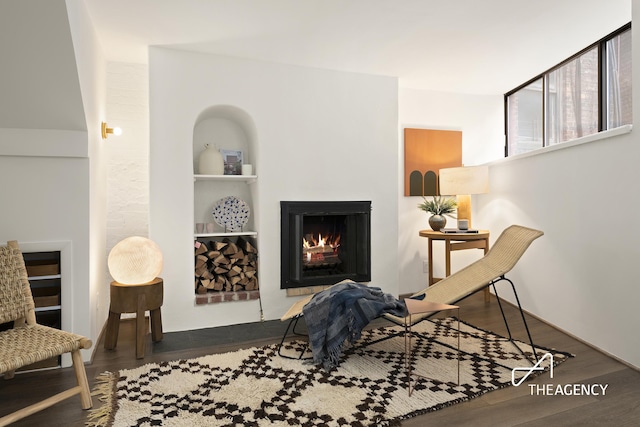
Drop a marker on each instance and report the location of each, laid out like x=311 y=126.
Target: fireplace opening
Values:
x=321 y=250
x=323 y=243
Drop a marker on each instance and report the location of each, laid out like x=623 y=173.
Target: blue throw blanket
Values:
x=339 y=314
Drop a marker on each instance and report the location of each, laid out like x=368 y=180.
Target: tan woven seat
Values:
x=501 y=258
x=28 y=342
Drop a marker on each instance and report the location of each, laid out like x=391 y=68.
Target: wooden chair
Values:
x=28 y=342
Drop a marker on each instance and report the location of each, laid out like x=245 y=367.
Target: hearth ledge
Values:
x=296 y=292
x=219 y=297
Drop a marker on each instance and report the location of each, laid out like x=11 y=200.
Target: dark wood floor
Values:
x=513 y=406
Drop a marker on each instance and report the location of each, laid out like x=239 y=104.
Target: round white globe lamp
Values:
x=134 y=261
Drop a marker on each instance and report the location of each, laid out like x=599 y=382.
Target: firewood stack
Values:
x=226 y=266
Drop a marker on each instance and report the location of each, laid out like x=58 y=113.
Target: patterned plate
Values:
x=231 y=213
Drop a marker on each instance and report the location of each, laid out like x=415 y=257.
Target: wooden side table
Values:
x=135 y=299
x=421 y=307
x=455 y=242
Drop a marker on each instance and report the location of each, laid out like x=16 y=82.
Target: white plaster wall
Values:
x=320 y=135
x=47 y=199
x=480 y=118
x=49 y=172
x=580 y=275
x=127 y=106
x=126 y=156
x=90 y=291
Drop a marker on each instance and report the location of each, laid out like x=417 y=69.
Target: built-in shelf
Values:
x=51 y=276
x=44 y=273
x=246 y=178
x=228 y=178
x=227 y=234
x=48 y=308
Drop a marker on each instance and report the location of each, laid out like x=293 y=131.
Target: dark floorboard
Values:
x=512 y=406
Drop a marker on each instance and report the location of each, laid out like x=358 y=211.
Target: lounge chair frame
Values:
x=492 y=284
x=486 y=272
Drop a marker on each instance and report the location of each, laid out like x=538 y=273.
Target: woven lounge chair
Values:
x=487 y=271
x=28 y=342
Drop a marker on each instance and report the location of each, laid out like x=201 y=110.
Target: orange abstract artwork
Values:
x=425 y=153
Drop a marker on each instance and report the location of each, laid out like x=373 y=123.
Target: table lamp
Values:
x=134 y=261
x=462 y=182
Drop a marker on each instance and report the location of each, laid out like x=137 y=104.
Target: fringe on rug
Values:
x=104 y=390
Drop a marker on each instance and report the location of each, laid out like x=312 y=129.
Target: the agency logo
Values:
x=554 y=389
x=529 y=370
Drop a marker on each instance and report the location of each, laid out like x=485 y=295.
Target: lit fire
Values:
x=316 y=250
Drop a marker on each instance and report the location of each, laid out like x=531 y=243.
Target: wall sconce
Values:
x=462 y=182
x=106 y=130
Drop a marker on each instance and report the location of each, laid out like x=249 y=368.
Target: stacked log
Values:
x=226 y=266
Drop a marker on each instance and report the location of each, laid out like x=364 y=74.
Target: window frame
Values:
x=601 y=46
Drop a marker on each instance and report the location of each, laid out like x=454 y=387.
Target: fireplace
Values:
x=323 y=243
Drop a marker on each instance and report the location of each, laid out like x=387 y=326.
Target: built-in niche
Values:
x=232 y=129
x=226 y=128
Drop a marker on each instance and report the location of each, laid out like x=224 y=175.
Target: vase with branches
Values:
x=438 y=207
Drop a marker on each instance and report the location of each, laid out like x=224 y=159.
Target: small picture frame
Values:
x=232 y=162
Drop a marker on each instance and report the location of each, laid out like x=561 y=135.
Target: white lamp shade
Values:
x=135 y=260
x=464 y=180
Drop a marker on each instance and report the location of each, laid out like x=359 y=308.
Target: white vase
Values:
x=210 y=161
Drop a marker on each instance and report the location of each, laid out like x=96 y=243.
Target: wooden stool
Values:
x=135 y=299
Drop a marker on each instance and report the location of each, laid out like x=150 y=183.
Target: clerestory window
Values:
x=588 y=93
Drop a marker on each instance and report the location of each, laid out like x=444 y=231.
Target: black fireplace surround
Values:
x=323 y=243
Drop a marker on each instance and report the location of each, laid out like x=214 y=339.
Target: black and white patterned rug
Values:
x=257 y=387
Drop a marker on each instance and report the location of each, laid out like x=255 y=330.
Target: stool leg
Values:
x=156 y=325
x=113 y=326
x=141 y=324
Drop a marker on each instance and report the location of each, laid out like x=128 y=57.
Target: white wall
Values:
x=580 y=275
x=46 y=199
x=480 y=118
x=321 y=135
x=91 y=291
x=46 y=152
x=127 y=106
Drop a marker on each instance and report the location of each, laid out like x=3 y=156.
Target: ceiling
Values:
x=465 y=46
